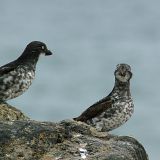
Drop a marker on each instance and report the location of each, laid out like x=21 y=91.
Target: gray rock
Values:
x=9 y=113
x=66 y=140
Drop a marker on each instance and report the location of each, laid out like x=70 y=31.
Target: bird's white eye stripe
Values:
x=43 y=47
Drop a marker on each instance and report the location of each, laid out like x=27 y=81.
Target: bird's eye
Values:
x=43 y=47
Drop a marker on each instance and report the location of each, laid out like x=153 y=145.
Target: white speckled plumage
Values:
x=15 y=83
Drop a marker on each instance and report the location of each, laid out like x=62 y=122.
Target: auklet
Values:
x=115 y=109
x=17 y=76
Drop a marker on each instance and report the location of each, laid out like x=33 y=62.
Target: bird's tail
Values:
x=80 y=118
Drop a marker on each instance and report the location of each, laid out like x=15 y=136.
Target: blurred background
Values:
x=89 y=38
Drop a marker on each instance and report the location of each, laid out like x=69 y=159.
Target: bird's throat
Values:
x=123 y=88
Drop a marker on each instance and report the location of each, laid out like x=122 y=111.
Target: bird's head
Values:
x=33 y=51
x=37 y=48
x=123 y=73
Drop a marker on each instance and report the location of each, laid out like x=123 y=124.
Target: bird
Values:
x=17 y=76
x=115 y=109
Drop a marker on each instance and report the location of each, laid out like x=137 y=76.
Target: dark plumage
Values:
x=115 y=109
x=17 y=76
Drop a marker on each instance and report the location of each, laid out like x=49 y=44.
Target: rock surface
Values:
x=9 y=113
x=66 y=140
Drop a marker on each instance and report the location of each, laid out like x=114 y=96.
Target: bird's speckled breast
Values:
x=114 y=116
x=16 y=82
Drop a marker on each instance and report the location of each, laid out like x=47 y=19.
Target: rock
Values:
x=9 y=113
x=66 y=140
x=25 y=139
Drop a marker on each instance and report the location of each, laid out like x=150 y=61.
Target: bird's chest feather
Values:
x=122 y=112
x=16 y=82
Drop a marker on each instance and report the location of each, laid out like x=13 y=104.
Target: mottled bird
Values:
x=17 y=76
x=116 y=108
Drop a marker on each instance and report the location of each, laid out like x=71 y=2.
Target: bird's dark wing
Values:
x=7 y=68
x=95 y=110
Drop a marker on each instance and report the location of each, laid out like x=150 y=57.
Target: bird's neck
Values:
x=122 y=88
x=28 y=59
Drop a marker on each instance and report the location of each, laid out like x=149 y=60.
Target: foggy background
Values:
x=89 y=38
